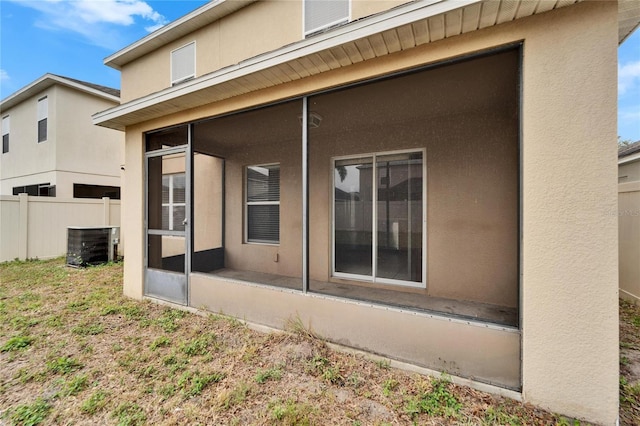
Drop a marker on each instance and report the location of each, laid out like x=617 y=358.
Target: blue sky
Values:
x=72 y=38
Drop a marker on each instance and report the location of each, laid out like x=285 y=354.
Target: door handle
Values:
x=185 y=221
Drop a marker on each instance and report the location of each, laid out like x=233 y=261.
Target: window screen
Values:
x=321 y=14
x=43 y=112
x=263 y=204
x=183 y=63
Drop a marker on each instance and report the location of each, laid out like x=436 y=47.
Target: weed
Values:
x=383 y=364
x=563 y=421
x=31 y=414
x=498 y=416
x=63 y=365
x=636 y=320
x=296 y=326
x=274 y=373
x=192 y=384
x=129 y=414
x=168 y=320
x=321 y=366
x=110 y=310
x=624 y=360
x=76 y=385
x=437 y=402
x=389 y=386
x=88 y=329
x=354 y=380
x=16 y=343
x=236 y=396
x=133 y=312
x=78 y=306
x=290 y=412
x=160 y=342
x=54 y=321
x=167 y=391
x=198 y=346
x=148 y=371
x=174 y=363
x=96 y=402
x=20 y=322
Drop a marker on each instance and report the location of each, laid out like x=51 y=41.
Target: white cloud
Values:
x=4 y=76
x=628 y=77
x=97 y=20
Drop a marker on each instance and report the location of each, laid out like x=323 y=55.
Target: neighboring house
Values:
x=629 y=163
x=50 y=146
x=401 y=176
x=629 y=221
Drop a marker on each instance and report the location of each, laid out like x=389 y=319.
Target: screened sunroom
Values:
x=401 y=192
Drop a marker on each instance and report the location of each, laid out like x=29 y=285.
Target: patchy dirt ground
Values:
x=629 y=363
x=74 y=351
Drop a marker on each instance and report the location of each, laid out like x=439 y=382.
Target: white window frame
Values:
x=42 y=114
x=307 y=32
x=259 y=203
x=175 y=81
x=6 y=131
x=374 y=242
x=171 y=204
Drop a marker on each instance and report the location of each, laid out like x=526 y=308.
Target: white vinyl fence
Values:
x=629 y=240
x=36 y=227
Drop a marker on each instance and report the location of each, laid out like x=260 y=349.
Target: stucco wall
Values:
x=569 y=246
x=26 y=156
x=629 y=172
x=234 y=38
x=84 y=148
x=569 y=266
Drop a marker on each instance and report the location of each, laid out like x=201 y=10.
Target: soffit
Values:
x=399 y=29
x=628 y=18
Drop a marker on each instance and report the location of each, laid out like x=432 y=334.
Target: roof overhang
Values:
x=210 y=12
x=46 y=81
x=398 y=29
x=629 y=158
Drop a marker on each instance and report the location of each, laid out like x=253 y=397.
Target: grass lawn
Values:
x=73 y=350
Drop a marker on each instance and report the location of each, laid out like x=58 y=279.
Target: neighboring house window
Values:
x=41 y=190
x=6 y=128
x=322 y=14
x=173 y=202
x=81 y=190
x=43 y=113
x=263 y=204
x=183 y=63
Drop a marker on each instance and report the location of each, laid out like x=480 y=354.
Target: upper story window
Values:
x=6 y=128
x=322 y=14
x=43 y=113
x=183 y=63
x=263 y=204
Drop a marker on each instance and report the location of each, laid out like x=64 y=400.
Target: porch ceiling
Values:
x=402 y=28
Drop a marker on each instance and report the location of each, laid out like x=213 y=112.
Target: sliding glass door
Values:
x=378 y=218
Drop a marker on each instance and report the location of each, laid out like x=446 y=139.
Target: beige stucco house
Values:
x=629 y=221
x=50 y=146
x=399 y=175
